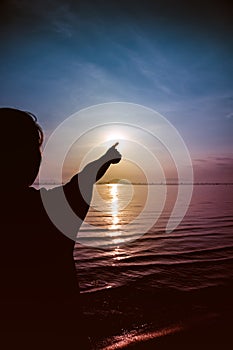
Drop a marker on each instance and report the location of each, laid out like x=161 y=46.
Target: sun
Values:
x=114 y=136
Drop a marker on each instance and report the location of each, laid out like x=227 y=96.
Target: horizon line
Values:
x=142 y=183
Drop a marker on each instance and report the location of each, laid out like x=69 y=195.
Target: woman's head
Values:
x=20 y=143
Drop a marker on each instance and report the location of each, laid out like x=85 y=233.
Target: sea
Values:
x=139 y=287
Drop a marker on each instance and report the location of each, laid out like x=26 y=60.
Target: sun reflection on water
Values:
x=114 y=207
x=118 y=254
x=114 y=224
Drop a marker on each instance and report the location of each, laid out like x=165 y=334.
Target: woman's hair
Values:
x=37 y=126
x=20 y=142
x=21 y=122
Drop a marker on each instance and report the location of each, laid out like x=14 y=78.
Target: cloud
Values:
x=213 y=169
x=226 y=167
x=229 y=116
x=200 y=160
x=212 y=161
x=223 y=159
x=56 y=15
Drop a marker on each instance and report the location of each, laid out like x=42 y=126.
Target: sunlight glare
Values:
x=113 y=189
x=118 y=240
x=115 y=221
x=115 y=136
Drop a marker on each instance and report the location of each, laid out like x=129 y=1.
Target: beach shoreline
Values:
x=127 y=318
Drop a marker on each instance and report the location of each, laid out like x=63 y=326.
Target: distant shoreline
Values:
x=165 y=184
x=148 y=184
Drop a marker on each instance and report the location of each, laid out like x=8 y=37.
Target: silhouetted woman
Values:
x=40 y=305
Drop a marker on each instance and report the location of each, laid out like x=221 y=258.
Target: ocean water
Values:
x=197 y=254
x=135 y=287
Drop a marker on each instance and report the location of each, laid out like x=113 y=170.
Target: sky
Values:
x=175 y=57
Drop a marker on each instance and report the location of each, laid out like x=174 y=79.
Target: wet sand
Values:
x=163 y=320
x=205 y=335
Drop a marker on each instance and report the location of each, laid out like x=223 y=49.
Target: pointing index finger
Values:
x=115 y=145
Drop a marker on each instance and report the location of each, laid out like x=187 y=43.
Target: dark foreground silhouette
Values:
x=139 y=317
x=39 y=297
